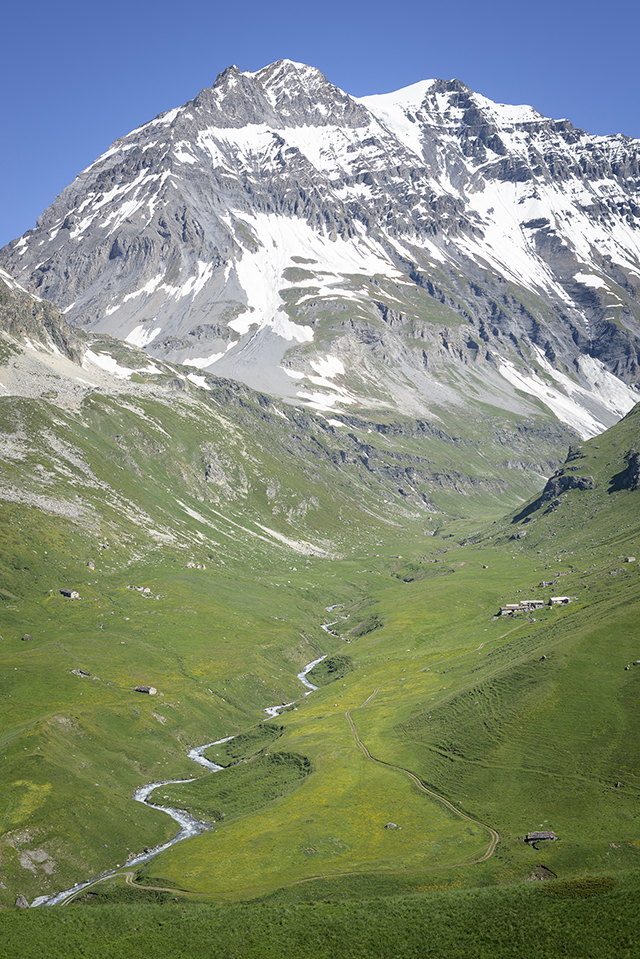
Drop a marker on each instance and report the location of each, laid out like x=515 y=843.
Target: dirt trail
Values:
x=495 y=838
x=129 y=878
x=369 y=698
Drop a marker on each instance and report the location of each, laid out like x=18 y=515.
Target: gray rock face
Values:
x=629 y=477
x=552 y=495
x=560 y=484
x=396 y=250
x=632 y=475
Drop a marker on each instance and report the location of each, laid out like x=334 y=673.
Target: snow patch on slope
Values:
x=13 y=285
x=106 y=362
x=199 y=381
x=395 y=111
x=202 y=362
x=260 y=272
x=595 y=282
x=329 y=367
x=571 y=403
x=142 y=335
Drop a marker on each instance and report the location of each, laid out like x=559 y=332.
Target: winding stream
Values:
x=189 y=826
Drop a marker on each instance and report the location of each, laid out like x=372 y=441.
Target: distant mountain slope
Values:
x=593 y=496
x=96 y=431
x=424 y=251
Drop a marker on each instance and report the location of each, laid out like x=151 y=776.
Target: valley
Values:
x=339 y=498
x=518 y=724
x=418 y=628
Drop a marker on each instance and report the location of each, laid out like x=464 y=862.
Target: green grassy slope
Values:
x=596 y=919
x=75 y=747
x=521 y=723
x=439 y=687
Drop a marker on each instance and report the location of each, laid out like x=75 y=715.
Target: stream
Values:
x=189 y=826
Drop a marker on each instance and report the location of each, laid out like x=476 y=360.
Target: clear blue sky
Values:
x=76 y=75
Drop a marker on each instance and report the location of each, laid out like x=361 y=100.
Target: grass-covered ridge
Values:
x=331 y=669
x=245 y=745
x=244 y=788
x=504 y=922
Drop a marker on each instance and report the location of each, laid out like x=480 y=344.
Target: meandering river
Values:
x=189 y=826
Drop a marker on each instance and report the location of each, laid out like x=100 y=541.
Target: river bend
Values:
x=189 y=825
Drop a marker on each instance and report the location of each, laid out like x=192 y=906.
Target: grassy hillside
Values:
x=521 y=723
x=219 y=543
x=594 y=918
x=517 y=722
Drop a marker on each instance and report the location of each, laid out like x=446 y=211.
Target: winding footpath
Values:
x=495 y=838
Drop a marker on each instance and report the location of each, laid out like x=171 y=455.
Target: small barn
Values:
x=510 y=609
x=524 y=606
x=533 y=837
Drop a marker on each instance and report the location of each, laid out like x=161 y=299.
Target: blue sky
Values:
x=76 y=75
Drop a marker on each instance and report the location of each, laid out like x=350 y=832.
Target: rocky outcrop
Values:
x=24 y=316
x=629 y=477
x=562 y=482
x=551 y=495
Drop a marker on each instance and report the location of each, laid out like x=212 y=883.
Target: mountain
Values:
x=428 y=252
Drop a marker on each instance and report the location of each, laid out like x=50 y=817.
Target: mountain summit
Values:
x=422 y=251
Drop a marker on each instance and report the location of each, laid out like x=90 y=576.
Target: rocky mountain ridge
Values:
x=423 y=251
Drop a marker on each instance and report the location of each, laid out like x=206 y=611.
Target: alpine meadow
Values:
x=320 y=535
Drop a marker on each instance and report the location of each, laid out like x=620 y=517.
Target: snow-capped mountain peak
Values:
x=274 y=225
